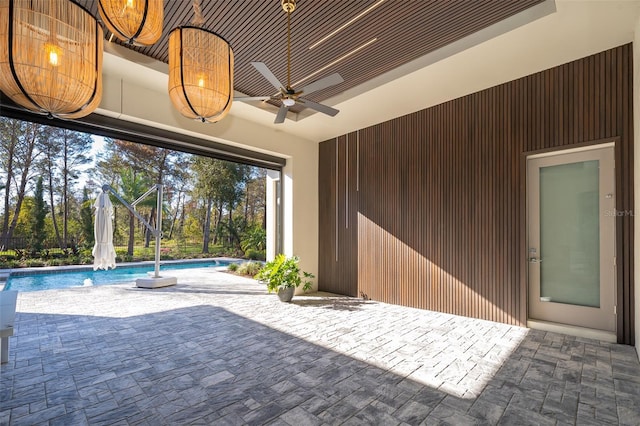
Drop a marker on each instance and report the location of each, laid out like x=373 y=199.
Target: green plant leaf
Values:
x=284 y=272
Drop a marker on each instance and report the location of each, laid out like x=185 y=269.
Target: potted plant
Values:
x=283 y=275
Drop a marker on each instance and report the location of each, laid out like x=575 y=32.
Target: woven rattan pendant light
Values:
x=200 y=72
x=50 y=57
x=137 y=22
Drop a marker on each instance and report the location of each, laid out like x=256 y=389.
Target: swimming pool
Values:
x=65 y=278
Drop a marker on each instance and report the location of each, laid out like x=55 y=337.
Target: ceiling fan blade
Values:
x=266 y=72
x=319 y=107
x=282 y=114
x=323 y=83
x=252 y=98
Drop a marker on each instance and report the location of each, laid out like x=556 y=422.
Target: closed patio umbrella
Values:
x=104 y=255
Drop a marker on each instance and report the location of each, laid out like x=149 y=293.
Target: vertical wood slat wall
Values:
x=427 y=210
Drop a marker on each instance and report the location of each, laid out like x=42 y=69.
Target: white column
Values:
x=273 y=177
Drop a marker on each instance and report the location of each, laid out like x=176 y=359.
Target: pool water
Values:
x=49 y=280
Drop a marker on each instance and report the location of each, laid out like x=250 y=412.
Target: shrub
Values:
x=255 y=238
x=9 y=264
x=34 y=262
x=124 y=258
x=252 y=254
x=233 y=267
x=250 y=268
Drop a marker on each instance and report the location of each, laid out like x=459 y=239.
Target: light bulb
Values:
x=288 y=102
x=201 y=82
x=53 y=58
x=130 y=4
x=53 y=53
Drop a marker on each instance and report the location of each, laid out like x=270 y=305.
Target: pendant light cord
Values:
x=198 y=20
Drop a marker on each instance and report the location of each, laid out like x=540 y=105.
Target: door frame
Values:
x=524 y=253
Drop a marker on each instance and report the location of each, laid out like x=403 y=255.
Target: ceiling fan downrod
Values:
x=288 y=6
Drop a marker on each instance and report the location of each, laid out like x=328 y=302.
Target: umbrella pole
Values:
x=158 y=230
x=156 y=280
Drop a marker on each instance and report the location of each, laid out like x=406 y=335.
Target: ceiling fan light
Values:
x=137 y=22
x=288 y=102
x=200 y=73
x=50 y=57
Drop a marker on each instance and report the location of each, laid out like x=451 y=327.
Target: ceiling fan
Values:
x=287 y=94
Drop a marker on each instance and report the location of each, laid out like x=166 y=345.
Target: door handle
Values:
x=535 y=260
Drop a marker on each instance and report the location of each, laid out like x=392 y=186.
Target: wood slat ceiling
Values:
x=404 y=30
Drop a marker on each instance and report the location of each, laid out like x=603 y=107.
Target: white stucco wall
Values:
x=137 y=97
x=636 y=182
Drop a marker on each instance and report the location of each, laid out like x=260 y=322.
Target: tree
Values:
x=10 y=131
x=38 y=214
x=177 y=185
x=232 y=194
x=64 y=152
x=75 y=147
x=205 y=191
x=218 y=201
x=86 y=219
x=132 y=186
x=18 y=142
x=48 y=165
x=209 y=177
x=156 y=165
x=221 y=185
x=255 y=203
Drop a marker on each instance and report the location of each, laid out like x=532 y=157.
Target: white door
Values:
x=571 y=237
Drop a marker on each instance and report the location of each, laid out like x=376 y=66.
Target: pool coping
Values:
x=6 y=273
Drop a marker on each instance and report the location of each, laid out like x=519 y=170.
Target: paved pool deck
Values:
x=218 y=350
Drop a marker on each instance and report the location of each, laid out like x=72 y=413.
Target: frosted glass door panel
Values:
x=571 y=238
x=570 y=234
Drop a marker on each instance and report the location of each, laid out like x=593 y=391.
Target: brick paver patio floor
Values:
x=217 y=349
